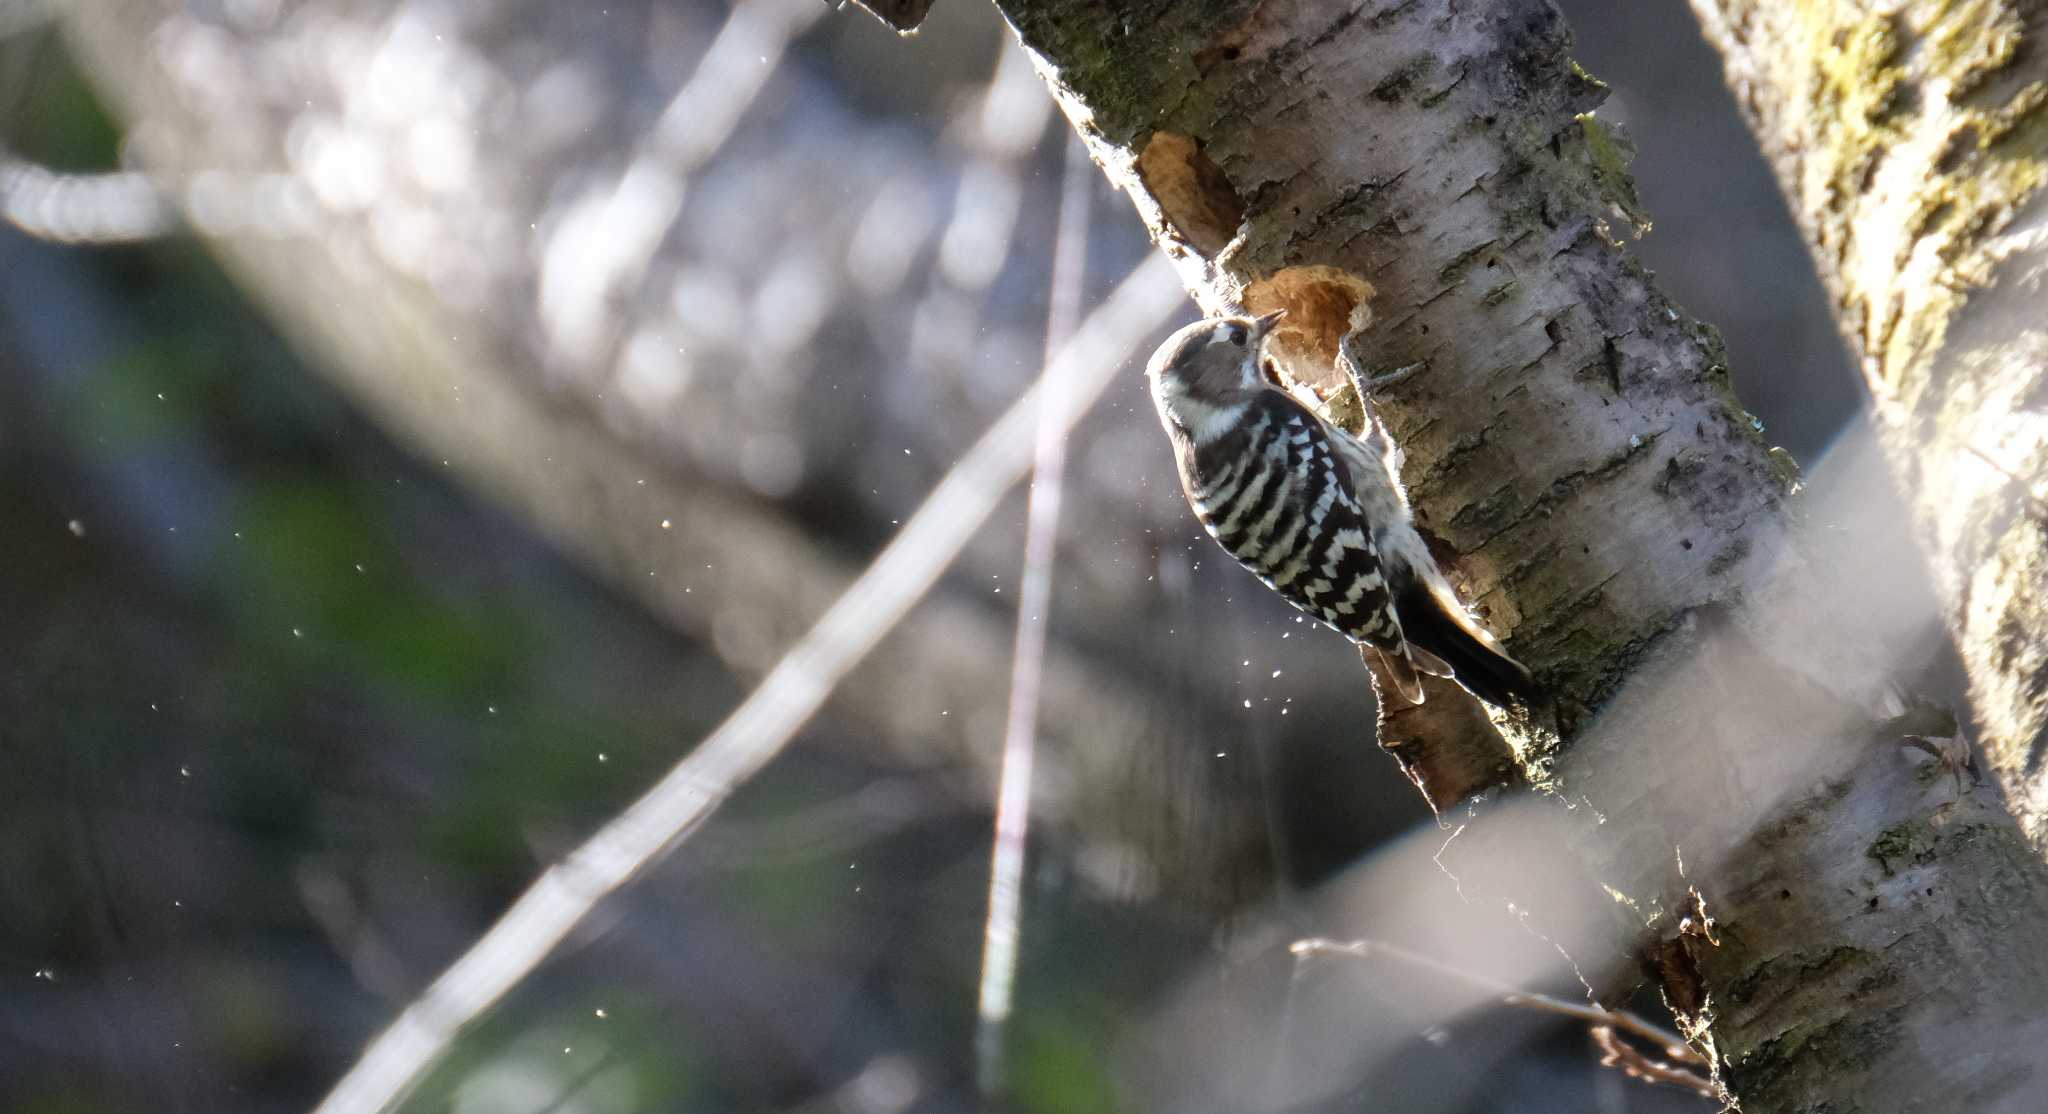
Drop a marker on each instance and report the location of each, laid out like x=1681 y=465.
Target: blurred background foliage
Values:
x=288 y=713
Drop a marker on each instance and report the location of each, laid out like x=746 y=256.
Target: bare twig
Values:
x=880 y=807
x=1599 y=1018
x=764 y=723
x=607 y=239
x=2026 y=493
x=1618 y=1053
x=1034 y=608
x=117 y=206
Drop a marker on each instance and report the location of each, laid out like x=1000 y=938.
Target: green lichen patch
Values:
x=1785 y=468
x=1800 y=1060
x=1787 y=973
x=1903 y=844
x=1860 y=64
x=1924 y=841
x=1121 y=61
x=1936 y=81
x=1607 y=152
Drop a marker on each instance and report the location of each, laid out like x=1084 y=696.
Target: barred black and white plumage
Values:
x=1272 y=491
x=1315 y=513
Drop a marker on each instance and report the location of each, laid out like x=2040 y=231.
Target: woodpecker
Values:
x=1316 y=513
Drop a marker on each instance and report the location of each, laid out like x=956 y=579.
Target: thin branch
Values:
x=1600 y=1018
x=605 y=241
x=1034 y=607
x=603 y=246
x=112 y=207
x=1618 y=1053
x=764 y=723
x=880 y=807
x=2026 y=493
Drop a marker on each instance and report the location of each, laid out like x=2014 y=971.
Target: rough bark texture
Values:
x=1912 y=141
x=1285 y=154
x=1845 y=931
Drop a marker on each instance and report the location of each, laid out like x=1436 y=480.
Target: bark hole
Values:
x=1673 y=955
x=1323 y=305
x=1191 y=190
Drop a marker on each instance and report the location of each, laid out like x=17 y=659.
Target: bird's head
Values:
x=1203 y=375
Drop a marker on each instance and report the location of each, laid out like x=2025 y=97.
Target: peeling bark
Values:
x=1574 y=452
x=1447 y=166
x=1911 y=144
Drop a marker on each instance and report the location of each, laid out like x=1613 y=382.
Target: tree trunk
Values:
x=1840 y=928
x=1913 y=144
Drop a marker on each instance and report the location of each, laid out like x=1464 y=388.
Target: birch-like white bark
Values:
x=1912 y=141
x=1839 y=928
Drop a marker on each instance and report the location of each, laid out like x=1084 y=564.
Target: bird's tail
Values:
x=1443 y=641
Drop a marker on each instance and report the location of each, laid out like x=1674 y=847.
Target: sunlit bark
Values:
x=1912 y=141
x=1841 y=928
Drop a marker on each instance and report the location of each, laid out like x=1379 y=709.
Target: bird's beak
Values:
x=1263 y=324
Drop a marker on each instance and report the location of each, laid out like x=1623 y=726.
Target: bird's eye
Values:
x=1235 y=334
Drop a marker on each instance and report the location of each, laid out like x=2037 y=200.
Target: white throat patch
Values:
x=1205 y=423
